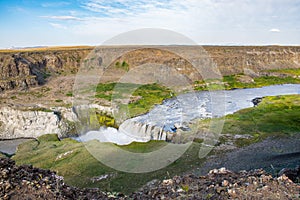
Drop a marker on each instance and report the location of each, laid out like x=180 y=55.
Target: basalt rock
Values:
x=27 y=182
x=24 y=69
x=32 y=122
x=256 y=101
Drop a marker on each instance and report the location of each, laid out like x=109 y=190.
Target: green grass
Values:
x=79 y=166
x=2 y=155
x=69 y=94
x=138 y=147
x=274 y=116
x=150 y=94
x=124 y=65
x=231 y=82
x=295 y=72
x=93 y=119
x=147 y=95
x=104 y=90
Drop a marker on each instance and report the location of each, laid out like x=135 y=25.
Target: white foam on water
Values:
x=108 y=135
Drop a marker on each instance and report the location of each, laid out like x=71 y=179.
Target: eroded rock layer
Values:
x=23 y=69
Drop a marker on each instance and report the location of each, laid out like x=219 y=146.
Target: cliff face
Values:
x=235 y=60
x=23 y=69
x=32 y=122
x=18 y=123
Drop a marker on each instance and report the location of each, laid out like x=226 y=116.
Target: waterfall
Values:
x=129 y=131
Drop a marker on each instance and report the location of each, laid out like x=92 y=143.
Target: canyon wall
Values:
x=24 y=69
x=32 y=123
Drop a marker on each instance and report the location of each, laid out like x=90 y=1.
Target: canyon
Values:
x=36 y=85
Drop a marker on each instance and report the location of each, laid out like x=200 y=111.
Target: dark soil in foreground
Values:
x=27 y=182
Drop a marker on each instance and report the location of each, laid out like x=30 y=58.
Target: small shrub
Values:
x=69 y=94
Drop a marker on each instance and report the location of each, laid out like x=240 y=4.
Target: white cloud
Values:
x=115 y=8
x=65 y=17
x=55 y=4
x=205 y=21
x=274 y=30
x=59 y=26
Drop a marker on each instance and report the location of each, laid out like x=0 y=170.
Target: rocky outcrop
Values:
x=23 y=69
x=257 y=101
x=27 y=182
x=145 y=132
x=34 y=122
x=251 y=60
x=222 y=184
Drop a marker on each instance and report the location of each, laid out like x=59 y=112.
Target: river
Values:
x=184 y=108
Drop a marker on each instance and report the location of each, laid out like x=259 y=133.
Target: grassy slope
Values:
x=274 y=116
x=232 y=82
x=278 y=115
x=80 y=166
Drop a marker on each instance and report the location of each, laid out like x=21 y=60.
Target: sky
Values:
x=26 y=23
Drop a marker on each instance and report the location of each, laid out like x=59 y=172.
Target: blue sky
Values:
x=91 y=22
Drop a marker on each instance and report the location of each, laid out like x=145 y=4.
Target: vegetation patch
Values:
x=122 y=65
x=93 y=119
x=295 y=72
x=274 y=116
x=69 y=94
x=105 y=120
x=232 y=82
x=141 y=97
x=139 y=147
x=79 y=167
